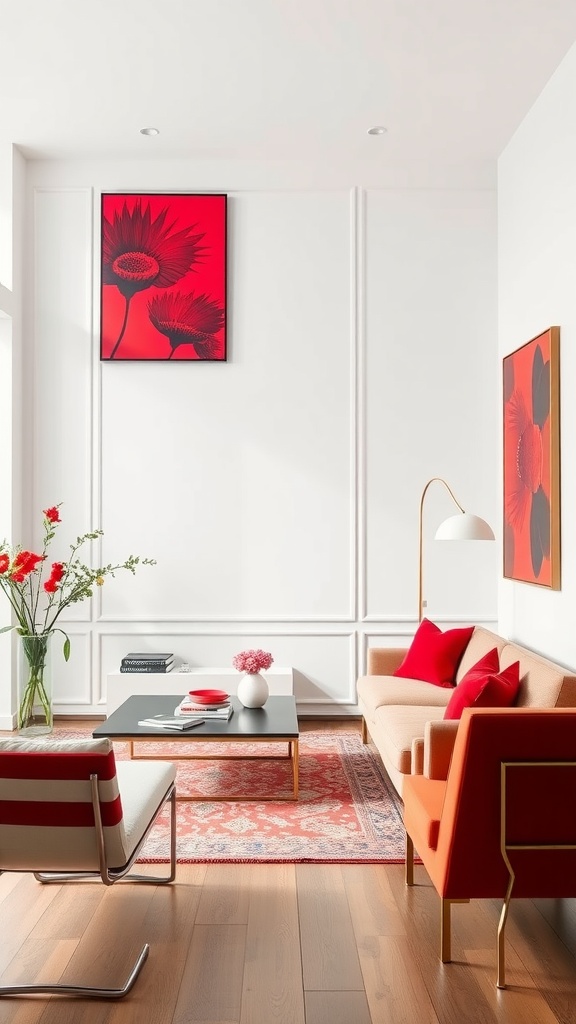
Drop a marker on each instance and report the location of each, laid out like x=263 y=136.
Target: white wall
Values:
x=279 y=491
x=6 y=215
x=537 y=289
x=12 y=457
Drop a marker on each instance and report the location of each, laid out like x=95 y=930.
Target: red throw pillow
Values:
x=501 y=690
x=472 y=684
x=434 y=656
x=481 y=687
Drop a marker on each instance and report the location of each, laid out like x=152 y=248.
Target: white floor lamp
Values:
x=463 y=526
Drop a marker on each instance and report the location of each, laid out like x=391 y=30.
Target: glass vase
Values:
x=34 y=685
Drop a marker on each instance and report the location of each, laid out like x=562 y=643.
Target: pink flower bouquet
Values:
x=252 y=661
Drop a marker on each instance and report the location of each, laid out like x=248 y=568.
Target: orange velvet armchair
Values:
x=501 y=822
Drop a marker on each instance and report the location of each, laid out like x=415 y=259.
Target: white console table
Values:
x=121 y=685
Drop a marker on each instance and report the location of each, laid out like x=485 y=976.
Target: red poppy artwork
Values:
x=163 y=276
x=532 y=461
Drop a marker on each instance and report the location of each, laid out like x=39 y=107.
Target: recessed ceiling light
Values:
x=377 y=130
x=149 y=131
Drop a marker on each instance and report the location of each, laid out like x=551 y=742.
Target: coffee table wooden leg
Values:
x=294 y=757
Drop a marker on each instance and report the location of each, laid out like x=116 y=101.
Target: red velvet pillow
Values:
x=434 y=656
x=472 y=684
x=501 y=689
x=481 y=687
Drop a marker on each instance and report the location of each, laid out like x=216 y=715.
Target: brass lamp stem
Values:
x=420 y=544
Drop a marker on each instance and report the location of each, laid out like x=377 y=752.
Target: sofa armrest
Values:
x=439 y=739
x=417 y=756
x=383 y=661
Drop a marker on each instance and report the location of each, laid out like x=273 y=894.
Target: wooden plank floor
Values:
x=282 y=944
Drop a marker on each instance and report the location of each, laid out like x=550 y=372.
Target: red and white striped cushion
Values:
x=46 y=813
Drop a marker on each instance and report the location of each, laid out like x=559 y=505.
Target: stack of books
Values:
x=147 y=662
x=214 y=712
x=180 y=724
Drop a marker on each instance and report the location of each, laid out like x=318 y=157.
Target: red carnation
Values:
x=51 y=584
x=24 y=563
x=52 y=514
x=4 y=563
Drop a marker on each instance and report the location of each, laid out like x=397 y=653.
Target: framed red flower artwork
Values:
x=163 y=276
x=531 y=398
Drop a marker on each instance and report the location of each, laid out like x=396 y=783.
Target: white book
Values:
x=221 y=714
x=170 y=722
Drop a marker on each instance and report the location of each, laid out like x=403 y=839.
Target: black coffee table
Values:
x=276 y=722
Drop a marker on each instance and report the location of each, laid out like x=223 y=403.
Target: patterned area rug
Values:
x=347 y=811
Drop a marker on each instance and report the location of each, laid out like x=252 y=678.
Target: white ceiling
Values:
x=275 y=79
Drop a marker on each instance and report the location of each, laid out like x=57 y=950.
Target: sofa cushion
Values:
x=483 y=687
x=542 y=683
x=396 y=726
x=481 y=641
x=433 y=656
x=379 y=691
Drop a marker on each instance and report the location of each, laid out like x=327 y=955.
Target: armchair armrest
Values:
x=383 y=661
x=439 y=739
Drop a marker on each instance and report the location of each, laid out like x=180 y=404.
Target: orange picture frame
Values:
x=531 y=457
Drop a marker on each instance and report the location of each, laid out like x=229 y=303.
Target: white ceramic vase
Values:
x=253 y=691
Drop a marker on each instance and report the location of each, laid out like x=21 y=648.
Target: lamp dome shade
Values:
x=464 y=526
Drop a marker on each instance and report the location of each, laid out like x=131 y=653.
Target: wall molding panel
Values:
x=73 y=680
x=425 y=416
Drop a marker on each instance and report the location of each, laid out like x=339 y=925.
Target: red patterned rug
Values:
x=347 y=811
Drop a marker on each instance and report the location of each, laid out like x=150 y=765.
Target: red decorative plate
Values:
x=208 y=696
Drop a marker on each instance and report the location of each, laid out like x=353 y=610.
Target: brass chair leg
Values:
x=364 y=731
x=409 y=871
x=445 y=932
x=501 y=977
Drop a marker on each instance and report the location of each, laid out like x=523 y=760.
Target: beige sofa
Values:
x=395 y=710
